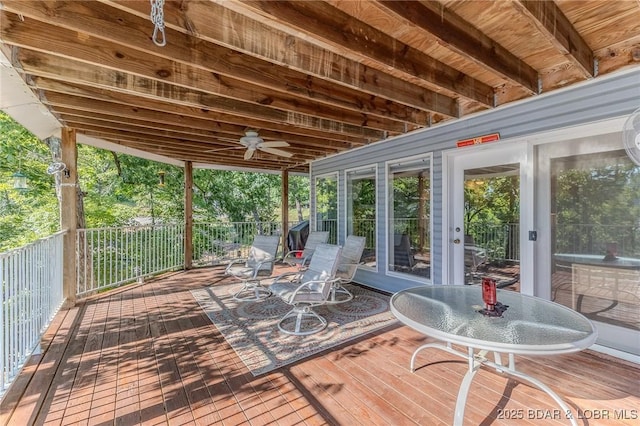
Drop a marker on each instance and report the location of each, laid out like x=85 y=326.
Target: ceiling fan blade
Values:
x=249 y=153
x=275 y=151
x=273 y=144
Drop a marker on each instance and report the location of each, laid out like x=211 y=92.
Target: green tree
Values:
x=120 y=190
x=299 y=196
x=32 y=213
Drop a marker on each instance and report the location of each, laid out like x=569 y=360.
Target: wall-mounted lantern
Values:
x=19 y=181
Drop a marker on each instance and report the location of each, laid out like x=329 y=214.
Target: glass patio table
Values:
x=598 y=260
x=529 y=326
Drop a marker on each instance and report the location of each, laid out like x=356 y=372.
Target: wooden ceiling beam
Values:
x=179 y=130
x=129 y=71
x=550 y=21
x=193 y=141
x=133 y=107
x=150 y=145
x=39 y=64
x=116 y=58
x=461 y=37
x=330 y=26
x=168 y=144
x=218 y=24
x=133 y=112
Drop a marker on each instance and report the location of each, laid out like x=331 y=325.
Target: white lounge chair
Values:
x=474 y=256
x=312 y=289
x=259 y=263
x=347 y=267
x=301 y=258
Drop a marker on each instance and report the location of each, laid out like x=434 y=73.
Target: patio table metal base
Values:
x=477 y=360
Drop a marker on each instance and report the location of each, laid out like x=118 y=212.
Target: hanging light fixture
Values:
x=19 y=181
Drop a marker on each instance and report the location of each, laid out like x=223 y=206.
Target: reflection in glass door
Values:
x=327 y=206
x=595 y=240
x=409 y=215
x=492 y=225
x=485 y=223
x=361 y=210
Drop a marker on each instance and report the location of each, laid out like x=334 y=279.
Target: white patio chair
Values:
x=260 y=262
x=347 y=267
x=312 y=290
x=474 y=256
x=301 y=258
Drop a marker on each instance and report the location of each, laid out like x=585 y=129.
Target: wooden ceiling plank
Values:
x=189 y=80
x=218 y=24
x=191 y=140
x=140 y=109
x=461 y=37
x=326 y=24
x=185 y=131
x=39 y=64
x=550 y=20
x=132 y=107
x=176 y=152
x=167 y=144
x=99 y=52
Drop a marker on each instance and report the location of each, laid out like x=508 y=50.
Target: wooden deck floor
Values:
x=147 y=354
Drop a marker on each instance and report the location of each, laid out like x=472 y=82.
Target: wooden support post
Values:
x=188 y=215
x=69 y=215
x=285 y=210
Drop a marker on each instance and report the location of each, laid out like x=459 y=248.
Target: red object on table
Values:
x=489 y=293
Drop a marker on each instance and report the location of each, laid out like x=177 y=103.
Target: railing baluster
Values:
x=31 y=283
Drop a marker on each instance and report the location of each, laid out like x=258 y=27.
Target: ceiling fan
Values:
x=253 y=142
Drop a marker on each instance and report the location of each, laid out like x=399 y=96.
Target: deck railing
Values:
x=108 y=257
x=215 y=243
x=31 y=278
x=499 y=239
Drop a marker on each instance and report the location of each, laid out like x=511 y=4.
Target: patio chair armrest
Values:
x=307 y=284
x=234 y=261
x=285 y=275
x=289 y=254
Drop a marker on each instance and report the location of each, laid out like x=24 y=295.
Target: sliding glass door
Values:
x=593 y=214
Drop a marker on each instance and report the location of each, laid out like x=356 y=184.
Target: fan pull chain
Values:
x=157 y=17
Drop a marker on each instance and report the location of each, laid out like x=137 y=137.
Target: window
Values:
x=595 y=234
x=327 y=206
x=361 y=210
x=409 y=213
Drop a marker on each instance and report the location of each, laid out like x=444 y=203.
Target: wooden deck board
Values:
x=147 y=354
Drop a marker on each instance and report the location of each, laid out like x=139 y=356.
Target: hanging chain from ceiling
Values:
x=157 y=17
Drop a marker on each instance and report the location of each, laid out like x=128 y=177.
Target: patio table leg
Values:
x=525 y=377
x=475 y=362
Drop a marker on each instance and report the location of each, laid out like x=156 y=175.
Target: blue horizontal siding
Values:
x=602 y=98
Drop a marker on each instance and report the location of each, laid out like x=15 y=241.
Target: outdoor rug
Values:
x=252 y=331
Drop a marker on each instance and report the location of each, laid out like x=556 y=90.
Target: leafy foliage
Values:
x=596 y=204
x=123 y=190
x=492 y=200
x=24 y=215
